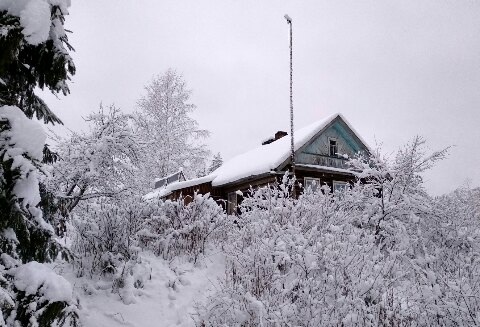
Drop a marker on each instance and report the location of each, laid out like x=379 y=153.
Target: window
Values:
x=232 y=203
x=311 y=183
x=333 y=147
x=339 y=186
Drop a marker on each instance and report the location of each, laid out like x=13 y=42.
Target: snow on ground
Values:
x=169 y=298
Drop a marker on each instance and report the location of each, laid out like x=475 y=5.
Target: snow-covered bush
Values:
x=453 y=267
x=108 y=235
x=295 y=262
x=382 y=253
x=104 y=233
x=184 y=229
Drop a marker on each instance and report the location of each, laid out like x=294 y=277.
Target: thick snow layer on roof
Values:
x=267 y=157
x=168 y=189
x=157 y=193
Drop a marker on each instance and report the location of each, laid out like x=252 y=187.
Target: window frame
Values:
x=308 y=182
x=343 y=186
x=335 y=154
x=232 y=203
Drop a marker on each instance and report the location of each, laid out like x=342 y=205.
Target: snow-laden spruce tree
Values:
x=171 y=138
x=33 y=54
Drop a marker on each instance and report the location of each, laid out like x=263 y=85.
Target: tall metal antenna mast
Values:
x=289 y=22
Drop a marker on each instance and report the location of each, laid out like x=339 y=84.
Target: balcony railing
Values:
x=320 y=160
x=332 y=162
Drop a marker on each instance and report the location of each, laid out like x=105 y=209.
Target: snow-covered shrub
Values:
x=104 y=233
x=133 y=275
x=295 y=262
x=108 y=235
x=382 y=253
x=184 y=229
x=105 y=242
x=453 y=266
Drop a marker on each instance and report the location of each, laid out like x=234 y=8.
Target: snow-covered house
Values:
x=321 y=152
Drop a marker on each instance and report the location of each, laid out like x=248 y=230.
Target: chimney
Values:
x=278 y=135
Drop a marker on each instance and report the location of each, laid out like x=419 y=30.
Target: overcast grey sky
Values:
x=395 y=69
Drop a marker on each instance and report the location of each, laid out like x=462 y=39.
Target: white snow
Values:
x=27 y=189
x=35 y=19
x=25 y=137
x=168 y=298
x=33 y=276
x=168 y=189
x=25 y=134
x=158 y=193
x=34 y=16
x=9 y=234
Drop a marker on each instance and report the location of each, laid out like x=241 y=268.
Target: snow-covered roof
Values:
x=261 y=160
x=265 y=158
x=168 y=189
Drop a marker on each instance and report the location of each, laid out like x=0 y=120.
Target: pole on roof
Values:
x=289 y=22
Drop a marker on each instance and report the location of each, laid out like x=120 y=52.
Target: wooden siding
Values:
x=245 y=186
x=326 y=178
x=188 y=192
x=220 y=194
x=316 y=152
